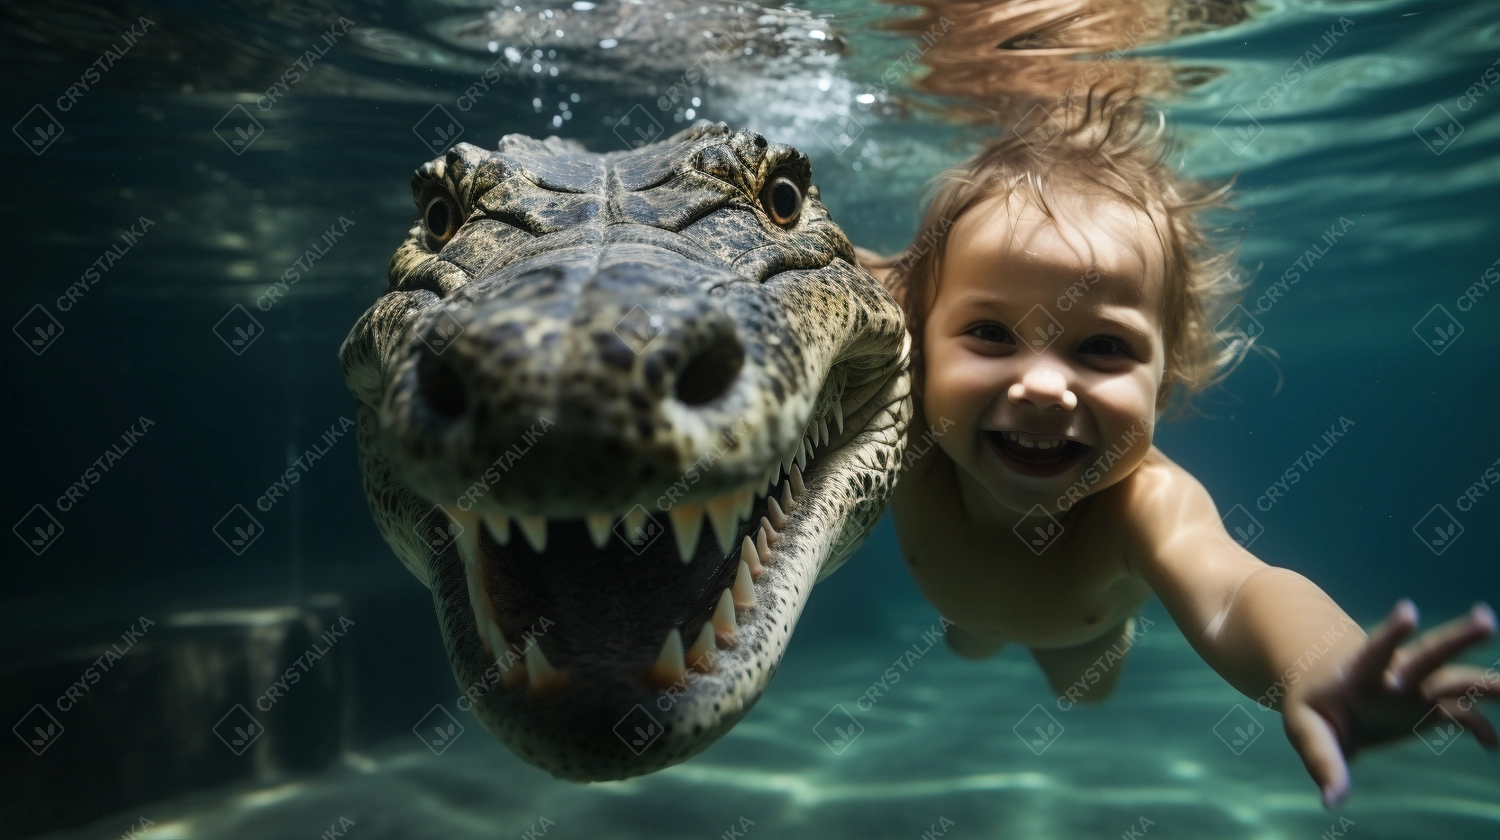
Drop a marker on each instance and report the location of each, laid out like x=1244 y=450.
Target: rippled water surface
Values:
x=1389 y=131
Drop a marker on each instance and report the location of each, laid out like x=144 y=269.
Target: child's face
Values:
x=1043 y=349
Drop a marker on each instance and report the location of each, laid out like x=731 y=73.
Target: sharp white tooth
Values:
x=540 y=675
x=723 y=619
x=744 y=590
x=770 y=480
x=751 y=556
x=823 y=429
x=763 y=543
x=768 y=531
x=687 y=524
x=838 y=415
x=700 y=657
x=599 y=526
x=798 y=488
x=722 y=519
x=534 y=529
x=801 y=459
x=788 y=504
x=499 y=527
x=476 y=577
x=669 y=666
x=775 y=514
x=635 y=522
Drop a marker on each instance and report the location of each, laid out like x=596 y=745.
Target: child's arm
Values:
x=1279 y=639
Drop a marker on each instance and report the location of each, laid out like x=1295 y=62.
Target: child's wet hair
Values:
x=1116 y=150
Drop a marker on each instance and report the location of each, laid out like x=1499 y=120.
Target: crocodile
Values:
x=579 y=361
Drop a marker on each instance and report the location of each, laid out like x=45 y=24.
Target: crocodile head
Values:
x=620 y=412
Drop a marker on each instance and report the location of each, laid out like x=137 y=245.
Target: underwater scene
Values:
x=464 y=419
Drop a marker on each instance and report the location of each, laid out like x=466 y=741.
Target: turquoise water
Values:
x=1389 y=128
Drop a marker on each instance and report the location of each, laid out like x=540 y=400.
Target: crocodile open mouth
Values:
x=666 y=596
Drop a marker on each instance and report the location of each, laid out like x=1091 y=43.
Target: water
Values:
x=1354 y=341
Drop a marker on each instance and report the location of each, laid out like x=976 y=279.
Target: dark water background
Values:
x=141 y=343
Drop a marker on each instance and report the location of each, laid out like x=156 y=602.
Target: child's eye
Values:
x=1105 y=345
x=992 y=333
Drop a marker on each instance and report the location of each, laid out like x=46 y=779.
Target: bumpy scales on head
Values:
x=580 y=360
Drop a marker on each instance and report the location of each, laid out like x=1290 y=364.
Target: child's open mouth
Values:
x=1037 y=455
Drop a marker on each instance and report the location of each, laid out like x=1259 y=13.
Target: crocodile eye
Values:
x=782 y=199
x=440 y=217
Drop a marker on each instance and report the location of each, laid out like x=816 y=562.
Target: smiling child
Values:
x=1069 y=292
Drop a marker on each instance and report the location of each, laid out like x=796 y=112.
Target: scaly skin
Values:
x=607 y=331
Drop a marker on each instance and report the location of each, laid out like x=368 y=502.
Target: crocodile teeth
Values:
x=768 y=532
x=749 y=555
x=775 y=514
x=669 y=666
x=788 y=504
x=700 y=657
x=744 y=590
x=534 y=529
x=687 y=524
x=763 y=543
x=798 y=488
x=599 y=527
x=838 y=415
x=723 y=620
x=744 y=502
x=635 y=522
x=724 y=520
x=801 y=459
x=540 y=675
x=823 y=429
x=498 y=524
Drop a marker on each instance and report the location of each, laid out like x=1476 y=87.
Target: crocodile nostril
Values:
x=441 y=389
x=710 y=371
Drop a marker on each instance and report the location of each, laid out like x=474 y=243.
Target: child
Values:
x=1056 y=298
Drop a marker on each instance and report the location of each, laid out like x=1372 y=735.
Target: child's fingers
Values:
x=1316 y=742
x=1440 y=644
x=1455 y=680
x=1370 y=663
x=1474 y=721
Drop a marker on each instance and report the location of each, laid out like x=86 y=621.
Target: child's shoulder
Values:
x=1159 y=498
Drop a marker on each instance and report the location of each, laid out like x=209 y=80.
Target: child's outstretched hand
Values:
x=1384 y=691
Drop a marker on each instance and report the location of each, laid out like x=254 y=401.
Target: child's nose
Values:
x=1044 y=387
